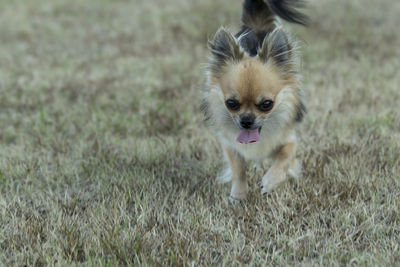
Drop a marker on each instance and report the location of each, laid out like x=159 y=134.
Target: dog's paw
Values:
x=264 y=190
x=295 y=170
x=239 y=191
x=271 y=180
x=225 y=176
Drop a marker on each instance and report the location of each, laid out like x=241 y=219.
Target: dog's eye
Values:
x=232 y=104
x=266 y=105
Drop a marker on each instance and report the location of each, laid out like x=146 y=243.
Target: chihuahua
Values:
x=254 y=97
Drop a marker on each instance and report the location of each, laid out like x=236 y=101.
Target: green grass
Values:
x=105 y=159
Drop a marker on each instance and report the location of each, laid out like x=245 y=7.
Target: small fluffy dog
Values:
x=254 y=97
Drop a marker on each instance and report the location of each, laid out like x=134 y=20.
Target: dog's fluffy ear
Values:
x=277 y=47
x=224 y=48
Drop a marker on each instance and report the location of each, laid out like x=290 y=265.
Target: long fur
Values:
x=257 y=63
x=260 y=17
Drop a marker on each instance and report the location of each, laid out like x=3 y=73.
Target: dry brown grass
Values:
x=105 y=160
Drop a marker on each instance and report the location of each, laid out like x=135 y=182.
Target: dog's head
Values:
x=256 y=89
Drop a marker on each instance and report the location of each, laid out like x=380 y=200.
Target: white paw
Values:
x=271 y=180
x=239 y=191
x=264 y=190
x=295 y=171
x=225 y=176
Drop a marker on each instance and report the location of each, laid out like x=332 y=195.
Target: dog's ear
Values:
x=224 y=48
x=277 y=47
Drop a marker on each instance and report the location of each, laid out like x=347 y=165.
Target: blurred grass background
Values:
x=105 y=160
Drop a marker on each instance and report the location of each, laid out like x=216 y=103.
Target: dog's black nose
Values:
x=247 y=121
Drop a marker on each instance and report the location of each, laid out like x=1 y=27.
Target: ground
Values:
x=105 y=158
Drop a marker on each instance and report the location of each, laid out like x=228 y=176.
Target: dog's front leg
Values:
x=284 y=159
x=237 y=165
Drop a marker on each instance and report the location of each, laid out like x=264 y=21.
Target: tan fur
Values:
x=238 y=168
x=250 y=80
x=284 y=159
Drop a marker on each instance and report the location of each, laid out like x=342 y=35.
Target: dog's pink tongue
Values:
x=248 y=136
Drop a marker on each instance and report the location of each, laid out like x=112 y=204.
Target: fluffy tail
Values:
x=259 y=15
x=259 y=19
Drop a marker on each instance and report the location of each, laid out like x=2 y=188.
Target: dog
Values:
x=254 y=98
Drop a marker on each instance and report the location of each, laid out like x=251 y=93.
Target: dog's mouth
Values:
x=249 y=136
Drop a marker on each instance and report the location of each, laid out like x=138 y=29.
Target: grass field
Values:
x=105 y=159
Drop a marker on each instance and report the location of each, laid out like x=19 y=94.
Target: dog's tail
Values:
x=260 y=15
